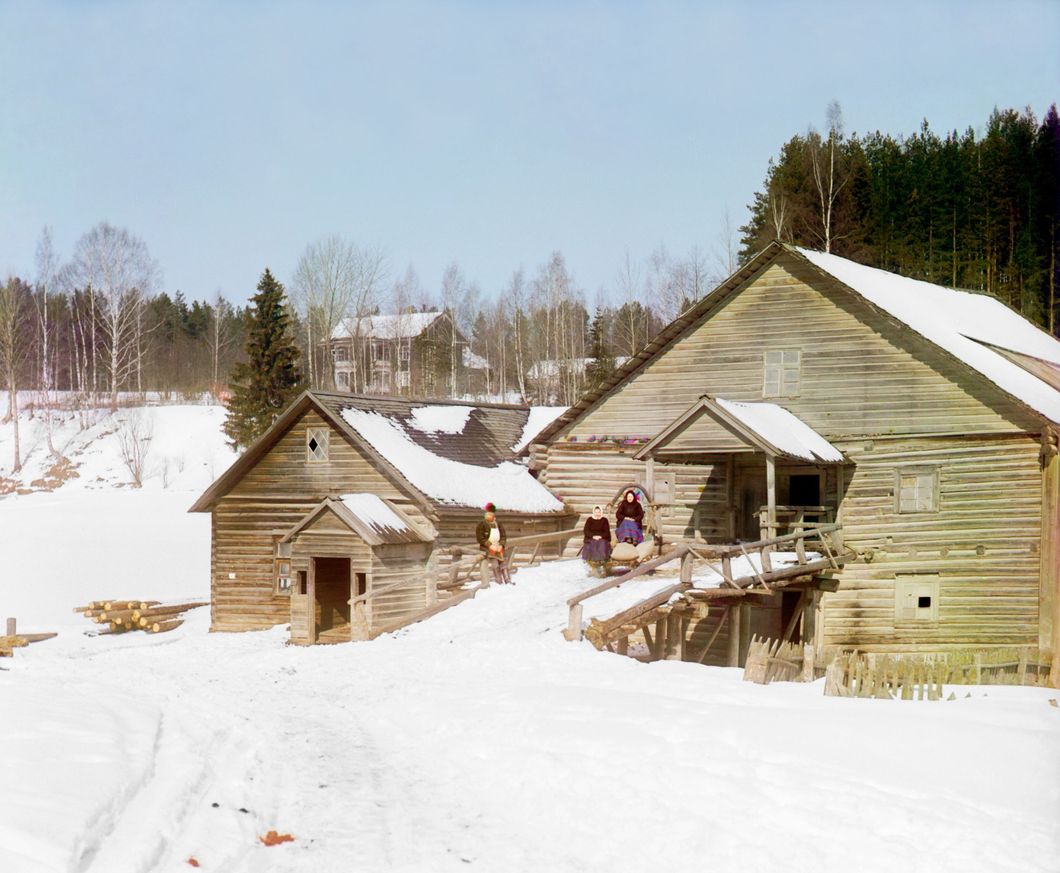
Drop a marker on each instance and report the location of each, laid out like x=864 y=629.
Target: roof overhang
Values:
x=260 y=447
x=726 y=416
x=367 y=533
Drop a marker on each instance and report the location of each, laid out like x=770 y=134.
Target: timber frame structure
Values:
x=943 y=491
x=314 y=526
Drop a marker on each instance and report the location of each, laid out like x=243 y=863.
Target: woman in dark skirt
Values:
x=630 y=519
x=597 y=546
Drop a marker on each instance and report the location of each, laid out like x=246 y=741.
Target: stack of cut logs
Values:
x=120 y=616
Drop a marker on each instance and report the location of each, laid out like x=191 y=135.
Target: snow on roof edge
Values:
x=959 y=322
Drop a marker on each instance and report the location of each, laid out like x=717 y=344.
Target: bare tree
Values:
x=825 y=173
x=134 y=434
x=452 y=291
x=13 y=347
x=47 y=270
x=727 y=247
x=325 y=284
x=516 y=295
x=631 y=325
x=220 y=336
x=120 y=273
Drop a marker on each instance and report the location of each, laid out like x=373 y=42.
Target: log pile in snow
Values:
x=150 y=616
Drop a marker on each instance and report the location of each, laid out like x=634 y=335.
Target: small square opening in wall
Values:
x=916 y=598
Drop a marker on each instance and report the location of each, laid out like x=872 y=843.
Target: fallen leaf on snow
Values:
x=1052 y=701
x=192 y=862
x=274 y=839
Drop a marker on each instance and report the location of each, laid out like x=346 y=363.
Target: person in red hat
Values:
x=491 y=539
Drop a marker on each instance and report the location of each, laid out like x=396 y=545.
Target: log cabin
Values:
x=808 y=388
x=343 y=516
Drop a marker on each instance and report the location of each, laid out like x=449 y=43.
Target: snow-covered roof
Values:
x=440 y=419
x=781 y=428
x=375 y=513
x=540 y=417
x=763 y=427
x=959 y=322
x=507 y=484
x=402 y=325
x=473 y=361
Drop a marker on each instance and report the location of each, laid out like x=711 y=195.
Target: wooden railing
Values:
x=793 y=517
x=813 y=538
x=463 y=568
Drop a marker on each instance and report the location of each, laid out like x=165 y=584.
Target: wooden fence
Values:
x=922 y=677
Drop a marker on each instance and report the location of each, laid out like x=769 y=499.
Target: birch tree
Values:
x=119 y=271
x=826 y=175
x=13 y=347
x=47 y=270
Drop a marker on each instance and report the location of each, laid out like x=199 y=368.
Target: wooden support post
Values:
x=733 y=616
x=686 y=568
x=745 y=631
x=771 y=503
x=810 y=600
x=660 y=639
x=1049 y=593
x=311 y=601
x=839 y=480
x=574 y=623
x=12 y=627
x=622 y=645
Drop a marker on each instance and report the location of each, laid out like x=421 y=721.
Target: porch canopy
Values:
x=716 y=426
x=374 y=519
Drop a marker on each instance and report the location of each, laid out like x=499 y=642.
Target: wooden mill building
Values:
x=343 y=515
x=922 y=419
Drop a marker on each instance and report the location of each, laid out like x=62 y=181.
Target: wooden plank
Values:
x=672 y=555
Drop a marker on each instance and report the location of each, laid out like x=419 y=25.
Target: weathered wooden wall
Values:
x=861 y=375
x=890 y=400
x=270 y=499
x=984 y=543
x=390 y=564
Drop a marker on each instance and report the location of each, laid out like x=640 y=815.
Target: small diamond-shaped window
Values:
x=316 y=444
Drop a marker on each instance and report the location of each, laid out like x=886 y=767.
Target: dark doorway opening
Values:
x=790 y=603
x=333 y=594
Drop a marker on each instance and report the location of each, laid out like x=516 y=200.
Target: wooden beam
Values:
x=745 y=631
x=713 y=637
x=1049 y=592
x=795 y=616
x=639 y=570
x=311 y=591
x=733 y=616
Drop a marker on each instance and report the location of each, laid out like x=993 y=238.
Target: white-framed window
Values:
x=342 y=353
x=405 y=353
x=381 y=380
x=342 y=378
x=283 y=568
x=916 y=489
x=403 y=379
x=781 y=372
x=316 y=443
x=916 y=598
x=380 y=351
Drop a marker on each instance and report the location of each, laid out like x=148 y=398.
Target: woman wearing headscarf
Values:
x=630 y=518
x=597 y=546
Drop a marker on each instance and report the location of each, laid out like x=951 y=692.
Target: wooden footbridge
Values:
x=662 y=619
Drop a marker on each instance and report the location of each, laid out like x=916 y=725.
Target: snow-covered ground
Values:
x=480 y=739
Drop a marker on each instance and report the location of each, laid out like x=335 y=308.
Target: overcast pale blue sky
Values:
x=489 y=133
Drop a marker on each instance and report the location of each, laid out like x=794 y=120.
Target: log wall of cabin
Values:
x=984 y=543
x=861 y=374
x=391 y=564
x=270 y=499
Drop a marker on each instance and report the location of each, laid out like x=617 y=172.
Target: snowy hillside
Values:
x=185 y=449
x=77 y=530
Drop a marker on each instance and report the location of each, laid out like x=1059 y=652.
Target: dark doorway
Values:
x=790 y=603
x=361 y=583
x=804 y=489
x=752 y=496
x=333 y=593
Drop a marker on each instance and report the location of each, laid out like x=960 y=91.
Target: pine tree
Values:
x=601 y=366
x=269 y=379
